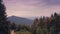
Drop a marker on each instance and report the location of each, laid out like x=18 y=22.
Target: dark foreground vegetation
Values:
x=4 y=25
x=42 y=25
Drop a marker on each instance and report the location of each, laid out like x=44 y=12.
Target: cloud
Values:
x=25 y=2
x=31 y=7
x=52 y=2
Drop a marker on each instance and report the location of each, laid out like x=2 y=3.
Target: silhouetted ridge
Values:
x=20 y=20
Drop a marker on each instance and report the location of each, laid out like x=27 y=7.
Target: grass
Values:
x=23 y=32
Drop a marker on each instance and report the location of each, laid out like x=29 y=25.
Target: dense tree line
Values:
x=43 y=25
x=47 y=25
x=23 y=27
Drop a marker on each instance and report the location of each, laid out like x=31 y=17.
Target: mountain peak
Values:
x=20 y=20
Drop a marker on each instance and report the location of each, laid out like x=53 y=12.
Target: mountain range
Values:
x=20 y=20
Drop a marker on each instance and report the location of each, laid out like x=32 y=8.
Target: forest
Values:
x=42 y=25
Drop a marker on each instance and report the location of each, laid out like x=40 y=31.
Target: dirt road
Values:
x=12 y=32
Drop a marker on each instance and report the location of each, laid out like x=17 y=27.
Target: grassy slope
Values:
x=23 y=32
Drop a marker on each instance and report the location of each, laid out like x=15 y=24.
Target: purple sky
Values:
x=32 y=8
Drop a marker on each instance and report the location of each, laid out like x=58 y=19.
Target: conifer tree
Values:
x=3 y=19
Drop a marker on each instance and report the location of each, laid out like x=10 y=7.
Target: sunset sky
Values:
x=31 y=8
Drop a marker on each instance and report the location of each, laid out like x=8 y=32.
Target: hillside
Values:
x=20 y=20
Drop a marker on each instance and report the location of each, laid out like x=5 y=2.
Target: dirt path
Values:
x=12 y=32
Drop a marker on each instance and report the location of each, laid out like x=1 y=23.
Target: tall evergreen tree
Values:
x=3 y=20
x=13 y=26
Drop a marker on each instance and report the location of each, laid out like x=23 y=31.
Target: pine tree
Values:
x=13 y=26
x=3 y=19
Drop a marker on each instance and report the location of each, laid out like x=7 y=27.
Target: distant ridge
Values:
x=20 y=20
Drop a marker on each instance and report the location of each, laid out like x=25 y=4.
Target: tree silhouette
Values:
x=18 y=27
x=3 y=20
x=48 y=25
x=13 y=26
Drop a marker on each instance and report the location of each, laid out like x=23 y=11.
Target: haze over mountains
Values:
x=20 y=20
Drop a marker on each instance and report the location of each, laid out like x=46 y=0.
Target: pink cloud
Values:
x=29 y=8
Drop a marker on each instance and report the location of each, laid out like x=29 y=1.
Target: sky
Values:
x=31 y=8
